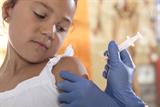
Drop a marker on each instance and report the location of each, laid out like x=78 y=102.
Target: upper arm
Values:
x=70 y=64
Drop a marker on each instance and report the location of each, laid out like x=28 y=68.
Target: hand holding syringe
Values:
x=119 y=73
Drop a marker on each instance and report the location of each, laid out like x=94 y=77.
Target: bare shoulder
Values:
x=70 y=64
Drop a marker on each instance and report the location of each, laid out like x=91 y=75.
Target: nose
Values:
x=49 y=31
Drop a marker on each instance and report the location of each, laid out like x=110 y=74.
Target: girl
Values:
x=31 y=69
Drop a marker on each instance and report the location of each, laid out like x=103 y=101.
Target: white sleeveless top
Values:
x=39 y=91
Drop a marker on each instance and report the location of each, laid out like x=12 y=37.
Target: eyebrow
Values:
x=43 y=4
x=50 y=9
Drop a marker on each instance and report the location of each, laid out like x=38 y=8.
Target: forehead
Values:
x=61 y=4
x=62 y=8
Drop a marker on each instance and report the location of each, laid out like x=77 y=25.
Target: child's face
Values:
x=31 y=23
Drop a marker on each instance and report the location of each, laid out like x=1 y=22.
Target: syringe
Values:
x=130 y=41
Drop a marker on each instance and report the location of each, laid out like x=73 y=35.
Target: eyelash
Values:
x=58 y=27
x=40 y=16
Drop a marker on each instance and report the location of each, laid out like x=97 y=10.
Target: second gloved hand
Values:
x=119 y=72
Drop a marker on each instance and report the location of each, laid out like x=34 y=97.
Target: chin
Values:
x=35 y=60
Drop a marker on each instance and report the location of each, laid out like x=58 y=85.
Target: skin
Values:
x=32 y=41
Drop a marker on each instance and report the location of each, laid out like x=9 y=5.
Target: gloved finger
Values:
x=70 y=76
x=107 y=66
x=66 y=98
x=70 y=105
x=77 y=104
x=106 y=53
x=64 y=105
x=105 y=72
x=65 y=86
x=126 y=58
x=113 y=52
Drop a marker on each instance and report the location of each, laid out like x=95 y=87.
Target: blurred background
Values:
x=99 y=21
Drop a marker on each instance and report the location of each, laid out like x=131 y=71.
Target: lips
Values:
x=41 y=44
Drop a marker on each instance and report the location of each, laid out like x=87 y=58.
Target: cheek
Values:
x=57 y=42
x=60 y=37
x=22 y=25
x=20 y=31
x=17 y=35
x=14 y=37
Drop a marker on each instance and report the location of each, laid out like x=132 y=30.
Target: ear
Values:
x=6 y=11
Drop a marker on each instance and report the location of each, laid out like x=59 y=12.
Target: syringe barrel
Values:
x=129 y=42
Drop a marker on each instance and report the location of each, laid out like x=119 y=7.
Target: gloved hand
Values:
x=119 y=72
x=80 y=92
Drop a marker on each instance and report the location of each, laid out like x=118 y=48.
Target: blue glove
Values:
x=80 y=92
x=119 y=72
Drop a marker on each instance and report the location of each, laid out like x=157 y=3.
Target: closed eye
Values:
x=60 y=29
x=40 y=16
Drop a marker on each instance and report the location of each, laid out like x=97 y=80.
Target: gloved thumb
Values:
x=113 y=52
x=126 y=58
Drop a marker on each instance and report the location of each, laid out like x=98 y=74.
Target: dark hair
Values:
x=13 y=2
